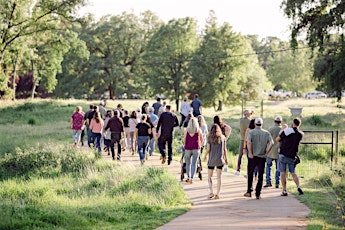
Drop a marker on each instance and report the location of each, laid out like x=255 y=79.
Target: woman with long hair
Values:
x=143 y=131
x=193 y=140
x=217 y=152
x=226 y=129
x=96 y=127
x=132 y=123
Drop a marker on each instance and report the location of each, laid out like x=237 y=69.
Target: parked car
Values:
x=315 y=94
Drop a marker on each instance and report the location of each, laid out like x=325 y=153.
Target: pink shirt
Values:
x=96 y=127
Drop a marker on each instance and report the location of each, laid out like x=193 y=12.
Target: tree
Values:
x=167 y=57
x=291 y=69
x=320 y=21
x=29 y=19
x=222 y=70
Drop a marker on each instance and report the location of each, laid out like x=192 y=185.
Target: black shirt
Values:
x=167 y=121
x=143 y=129
x=289 y=144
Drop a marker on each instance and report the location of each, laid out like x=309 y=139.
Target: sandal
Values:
x=210 y=196
x=216 y=197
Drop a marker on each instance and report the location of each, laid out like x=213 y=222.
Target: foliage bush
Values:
x=44 y=161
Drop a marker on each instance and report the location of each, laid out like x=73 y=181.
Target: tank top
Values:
x=192 y=142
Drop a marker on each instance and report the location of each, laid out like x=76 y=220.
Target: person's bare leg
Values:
x=219 y=181
x=295 y=179
x=210 y=184
x=283 y=180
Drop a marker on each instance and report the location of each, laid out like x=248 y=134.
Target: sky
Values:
x=260 y=17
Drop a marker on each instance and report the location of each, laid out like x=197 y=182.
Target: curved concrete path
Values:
x=232 y=210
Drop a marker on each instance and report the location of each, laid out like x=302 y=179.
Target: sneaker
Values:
x=247 y=194
x=164 y=160
x=300 y=192
x=284 y=193
x=258 y=197
x=210 y=196
x=277 y=185
x=216 y=197
x=237 y=173
x=267 y=185
x=189 y=181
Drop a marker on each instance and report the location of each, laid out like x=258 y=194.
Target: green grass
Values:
x=46 y=184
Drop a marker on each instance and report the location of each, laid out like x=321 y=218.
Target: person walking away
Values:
x=162 y=109
x=273 y=154
x=244 y=123
x=166 y=123
x=77 y=122
x=107 y=133
x=143 y=131
x=102 y=109
x=87 y=124
x=259 y=144
x=125 y=119
x=289 y=140
x=157 y=105
x=245 y=149
x=116 y=126
x=145 y=108
x=226 y=129
x=217 y=158
x=196 y=105
x=132 y=122
x=193 y=140
x=154 y=119
x=204 y=131
x=185 y=110
x=96 y=126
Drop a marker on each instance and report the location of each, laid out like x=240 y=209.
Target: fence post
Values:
x=336 y=146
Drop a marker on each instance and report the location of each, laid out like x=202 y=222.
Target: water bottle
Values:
x=225 y=168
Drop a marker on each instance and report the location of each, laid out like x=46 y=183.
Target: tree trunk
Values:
x=34 y=81
x=14 y=78
x=220 y=106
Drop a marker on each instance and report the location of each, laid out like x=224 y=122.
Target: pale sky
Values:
x=261 y=17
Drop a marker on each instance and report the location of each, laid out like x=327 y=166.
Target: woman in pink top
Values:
x=193 y=140
x=96 y=126
x=77 y=123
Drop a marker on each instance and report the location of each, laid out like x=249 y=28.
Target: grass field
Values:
x=45 y=183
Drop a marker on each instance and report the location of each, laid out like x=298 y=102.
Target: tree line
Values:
x=47 y=48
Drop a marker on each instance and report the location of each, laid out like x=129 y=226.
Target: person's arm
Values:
x=225 y=155
x=207 y=151
x=249 y=147
x=71 y=123
x=269 y=147
x=245 y=140
x=201 y=138
x=149 y=130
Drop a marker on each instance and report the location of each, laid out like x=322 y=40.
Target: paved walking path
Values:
x=232 y=210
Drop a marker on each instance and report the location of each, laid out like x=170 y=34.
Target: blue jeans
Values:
x=152 y=146
x=269 y=163
x=76 y=135
x=97 y=138
x=283 y=161
x=89 y=137
x=142 y=143
x=191 y=167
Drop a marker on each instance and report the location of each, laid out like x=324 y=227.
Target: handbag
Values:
x=297 y=160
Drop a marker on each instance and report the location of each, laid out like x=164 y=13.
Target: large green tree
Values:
x=167 y=58
x=318 y=20
x=26 y=20
x=224 y=66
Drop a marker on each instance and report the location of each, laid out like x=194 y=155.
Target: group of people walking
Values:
x=278 y=144
x=140 y=129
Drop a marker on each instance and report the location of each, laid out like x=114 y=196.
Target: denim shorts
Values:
x=283 y=161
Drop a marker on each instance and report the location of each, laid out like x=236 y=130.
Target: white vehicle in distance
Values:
x=315 y=94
